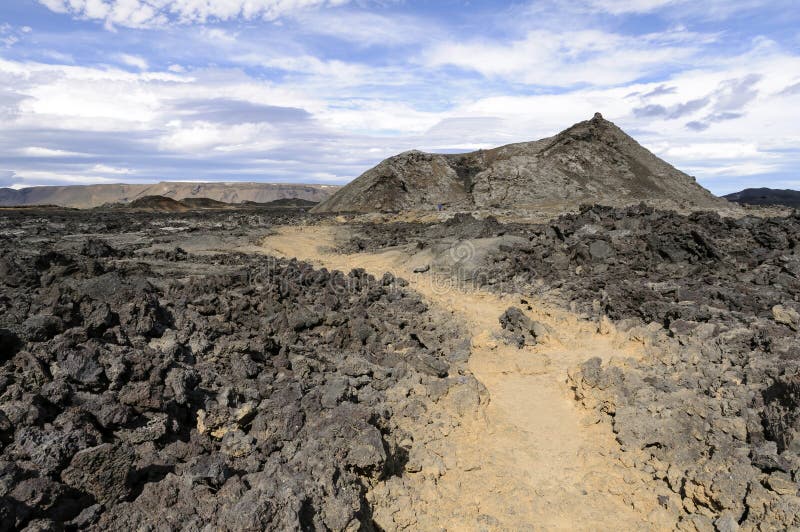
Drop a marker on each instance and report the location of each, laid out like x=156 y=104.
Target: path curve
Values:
x=532 y=459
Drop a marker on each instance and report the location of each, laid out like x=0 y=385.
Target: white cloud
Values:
x=200 y=137
x=72 y=97
x=86 y=175
x=154 y=13
x=378 y=117
x=27 y=178
x=134 y=61
x=219 y=36
x=325 y=176
x=735 y=170
x=713 y=150
x=10 y=35
x=549 y=58
x=55 y=5
x=368 y=29
x=105 y=169
x=58 y=57
x=307 y=65
x=35 y=151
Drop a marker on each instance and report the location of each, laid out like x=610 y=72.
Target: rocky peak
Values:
x=596 y=129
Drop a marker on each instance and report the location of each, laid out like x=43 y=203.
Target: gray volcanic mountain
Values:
x=766 y=196
x=591 y=162
x=87 y=196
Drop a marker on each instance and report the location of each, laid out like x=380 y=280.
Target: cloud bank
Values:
x=313 y=90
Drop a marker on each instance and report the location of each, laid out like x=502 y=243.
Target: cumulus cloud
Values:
x=153 y=13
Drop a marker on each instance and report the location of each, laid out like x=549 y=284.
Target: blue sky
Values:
x=106 y=91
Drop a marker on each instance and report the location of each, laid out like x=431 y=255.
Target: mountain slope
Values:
x=766 y=196
x=87 y=196
x=593 y=161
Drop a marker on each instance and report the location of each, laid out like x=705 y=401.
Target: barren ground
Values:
x=529 y=458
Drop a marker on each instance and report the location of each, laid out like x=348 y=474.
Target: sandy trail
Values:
x=533 y=460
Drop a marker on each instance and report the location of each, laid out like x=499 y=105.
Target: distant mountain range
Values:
x=88 y=196
x=766 y=196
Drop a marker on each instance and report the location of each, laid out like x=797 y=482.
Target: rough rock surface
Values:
x=593 y=161
x=371 y=237
x=521 y=330
x=146 y=387
x=713 y=410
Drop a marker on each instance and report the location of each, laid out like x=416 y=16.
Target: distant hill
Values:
x=591 y=162
x=286 y=202
x=766 y=196
x=88 y=196
x=204 y=203
x=157 y=203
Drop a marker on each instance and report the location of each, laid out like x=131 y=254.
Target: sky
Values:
x=317 y=91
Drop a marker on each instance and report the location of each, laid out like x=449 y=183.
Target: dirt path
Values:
x=532 y=460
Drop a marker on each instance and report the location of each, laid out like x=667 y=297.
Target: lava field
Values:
x=144 y=386
x=712 y=410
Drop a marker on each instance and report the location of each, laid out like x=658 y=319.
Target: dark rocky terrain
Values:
x=367 y=236
x=285 y=203
x=157 y=371
x=161 y=203
x=204 y=203
x=592 y=161
x=766 y=196
x=166 y=204
x=149 y=380
x=713 y=408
